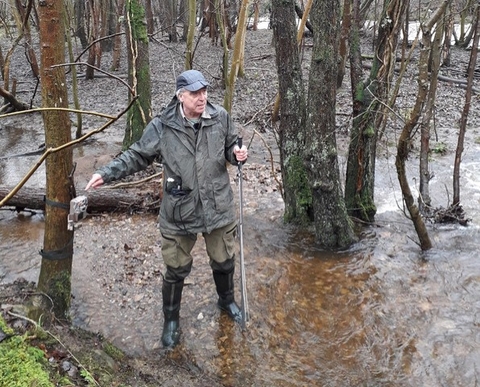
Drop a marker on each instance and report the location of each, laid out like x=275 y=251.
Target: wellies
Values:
x=172 y=297
x=225 y=290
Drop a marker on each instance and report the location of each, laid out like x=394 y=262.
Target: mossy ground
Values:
x=32 y=355
x=22 y=364
x=60 y=354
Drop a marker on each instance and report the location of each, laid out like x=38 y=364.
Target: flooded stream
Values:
x=380 y=314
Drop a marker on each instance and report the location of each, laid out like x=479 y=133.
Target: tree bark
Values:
x=80 y=18
x=138 y=73
x=171 y=20
x=236 y=68
x=149 y=17
x=403 y=146
x=24 y=12
x=56 y=268
x=101 y=200
x=297 y=194
x=94 y=50
x=333 y=227
x=370 y=99
x=466 y=109
x=433 y=49
x=343 y=49
x=190 y=34
x=117 y=40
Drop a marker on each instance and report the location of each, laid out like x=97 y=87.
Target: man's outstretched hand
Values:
x=95 y=181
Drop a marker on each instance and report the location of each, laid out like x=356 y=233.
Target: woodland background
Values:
x=311 y=195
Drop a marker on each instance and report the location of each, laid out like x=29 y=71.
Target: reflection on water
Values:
x=377 y=316
x=21 y=237
x=382 y=314
x=13 y=142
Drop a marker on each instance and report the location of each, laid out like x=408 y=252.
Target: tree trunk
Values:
x=256 y=14
x=404 y=141
x=434 y=51
x=359 y=179
x=212 y=22
x=57 y=252
x=447 y=41
x=107 y=24
x=74 y=75
x=222 y=21
x=182 y=9
x=333 y=227
x=402 y=154
x=80 y=18
x=138 y=73
x=466 y=109
x=192 y=8
x=471 y=20
x=117 y=41
x=236 y=67
x=149 y=17
x=370 y=99
x=343 y=47
x=93 y=35
x=300 y=34
x=100 y=200
x=25 y=15
x=171 y=19
x=297 y=194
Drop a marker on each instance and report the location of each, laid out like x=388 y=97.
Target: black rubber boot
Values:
x=226 y=297
x=172 y=297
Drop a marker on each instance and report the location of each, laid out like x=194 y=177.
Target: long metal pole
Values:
x=243 y=284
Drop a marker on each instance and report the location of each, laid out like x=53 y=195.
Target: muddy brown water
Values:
x=379 y=314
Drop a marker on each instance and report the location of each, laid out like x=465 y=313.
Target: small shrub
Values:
x=440 y=148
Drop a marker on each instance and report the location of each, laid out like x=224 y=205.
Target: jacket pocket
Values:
x=179 y=209
x=223 y=194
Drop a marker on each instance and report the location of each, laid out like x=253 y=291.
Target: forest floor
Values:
x=254 y=96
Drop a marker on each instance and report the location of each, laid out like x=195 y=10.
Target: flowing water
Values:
x=379 y=314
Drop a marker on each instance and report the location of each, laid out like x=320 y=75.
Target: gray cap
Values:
x=191 y=80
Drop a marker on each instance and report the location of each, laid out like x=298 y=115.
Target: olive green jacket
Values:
x=204 y=202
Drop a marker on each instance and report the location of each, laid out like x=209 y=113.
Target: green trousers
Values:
x=220 y=245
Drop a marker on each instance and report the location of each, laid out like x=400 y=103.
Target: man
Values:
x=193 y=139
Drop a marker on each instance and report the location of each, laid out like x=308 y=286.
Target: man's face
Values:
x=194 y=102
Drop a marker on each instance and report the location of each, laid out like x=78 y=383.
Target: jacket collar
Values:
x=171 y=117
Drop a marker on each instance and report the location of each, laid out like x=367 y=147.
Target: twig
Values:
x=271 y=159
x=97 y=69
x=59 y=148
x=257 y=113
x=59 y=109
x=97 y=41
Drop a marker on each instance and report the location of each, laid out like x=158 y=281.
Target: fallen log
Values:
x=99 y=200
